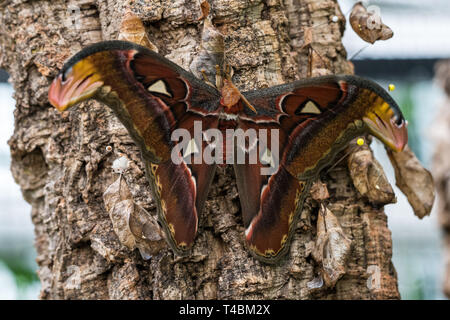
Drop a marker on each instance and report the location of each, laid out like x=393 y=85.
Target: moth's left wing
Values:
x=153 y=98
x=313 y=120
x=149 y=94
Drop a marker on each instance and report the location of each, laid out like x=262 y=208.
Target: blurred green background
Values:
x=420 y=39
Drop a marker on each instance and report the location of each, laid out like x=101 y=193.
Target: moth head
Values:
x=76 y=82
x=231 y=96
x=386 y=122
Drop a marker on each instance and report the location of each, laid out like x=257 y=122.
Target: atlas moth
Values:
x=153 y=97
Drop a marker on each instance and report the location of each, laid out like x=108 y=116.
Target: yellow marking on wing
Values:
x=159 y=185
x=283 y=240
x=171 y=229
x=291 y=218
x=147 y=146
x=153 y=168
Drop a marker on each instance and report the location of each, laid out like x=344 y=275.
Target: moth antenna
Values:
x=205 y=78
x=247 y=103
x=231 y=72
x=219 y=77
x=227 y=71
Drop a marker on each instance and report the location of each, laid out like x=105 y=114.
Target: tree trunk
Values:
x=63 y=167
x=441 y=164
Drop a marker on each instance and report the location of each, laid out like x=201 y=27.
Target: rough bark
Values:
x=441 y=164
x=62 y=164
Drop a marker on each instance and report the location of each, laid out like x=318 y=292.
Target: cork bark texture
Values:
x=441 y=165
x=62 y=162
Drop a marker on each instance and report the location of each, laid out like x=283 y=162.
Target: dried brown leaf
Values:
x=332 y=247
x=368 y=25
x=210 y=55
x=369 y=178
x=319 y=191
x=133 y=225
x=132 y=29
x=119 y=204
x=307 y=37
x=414 y=180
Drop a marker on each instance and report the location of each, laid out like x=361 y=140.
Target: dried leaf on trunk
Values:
x=319 y=191
x=414 y=180
x=332 y=247
x=210 y=55
x=367 y=24
x=369 y=178
x=132 y=29
x=133 y=225
x=307 y=37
